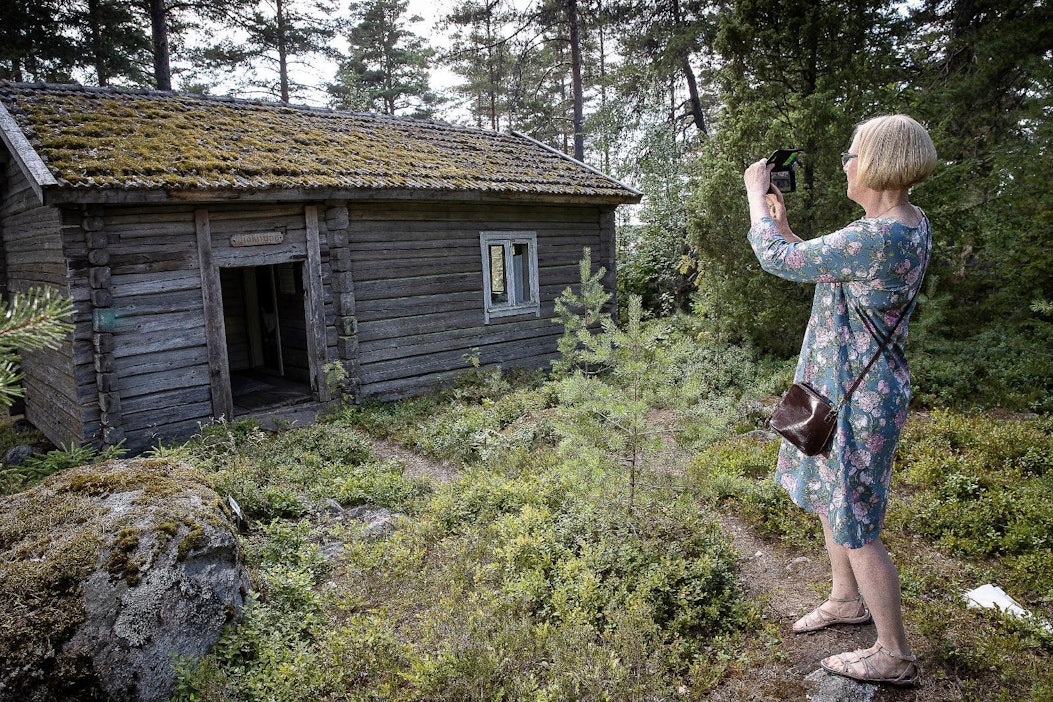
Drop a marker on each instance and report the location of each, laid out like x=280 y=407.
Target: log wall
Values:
x=418 y=287
x=394 y=290
x=142 y=357
x=32 y=257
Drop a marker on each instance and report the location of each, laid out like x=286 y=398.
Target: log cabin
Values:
x=221 y=253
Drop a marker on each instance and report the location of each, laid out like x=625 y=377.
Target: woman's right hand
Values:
x=757 y=178
x=776 y=205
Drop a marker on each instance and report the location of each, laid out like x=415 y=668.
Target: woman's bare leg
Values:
x=844 y=586
x=844 y=601
x=890 y=658
x=878 y=580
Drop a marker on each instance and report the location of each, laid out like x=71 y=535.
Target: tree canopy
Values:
x=676 y=97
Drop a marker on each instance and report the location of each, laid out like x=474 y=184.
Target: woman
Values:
x=866 y=276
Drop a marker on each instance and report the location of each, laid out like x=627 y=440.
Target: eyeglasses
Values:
x=846 y=157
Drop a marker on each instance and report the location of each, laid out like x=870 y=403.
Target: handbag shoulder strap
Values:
x=883 y=343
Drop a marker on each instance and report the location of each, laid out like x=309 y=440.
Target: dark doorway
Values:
x=266 y=333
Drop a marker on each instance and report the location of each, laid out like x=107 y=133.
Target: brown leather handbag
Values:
x=805 y=418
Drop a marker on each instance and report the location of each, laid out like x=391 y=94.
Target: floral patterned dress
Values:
x=866 y=275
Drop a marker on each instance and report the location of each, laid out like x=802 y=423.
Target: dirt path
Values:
x=787 y=584
x=417 y=466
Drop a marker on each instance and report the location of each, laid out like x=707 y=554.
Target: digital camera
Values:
x=782 y=176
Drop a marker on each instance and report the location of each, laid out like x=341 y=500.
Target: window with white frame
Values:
x=510 y=284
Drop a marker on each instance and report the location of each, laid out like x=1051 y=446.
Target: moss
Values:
x=169 y=527
x=110 y=138
x=194 y=538
x=121 y=563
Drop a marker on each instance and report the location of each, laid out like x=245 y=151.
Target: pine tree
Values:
x=113 y=42
x=33 y=42
x=580 y=313
x=667 y=37
x=482 y=38
x=984 y=86
x=176 y=18
x=278 y=34
x=798 y=74
x=608 y=412
x=387 y=66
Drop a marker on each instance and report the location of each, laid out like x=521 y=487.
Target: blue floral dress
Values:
x=865 y=275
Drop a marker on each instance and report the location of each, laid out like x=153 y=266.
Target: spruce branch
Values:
x=34 y=320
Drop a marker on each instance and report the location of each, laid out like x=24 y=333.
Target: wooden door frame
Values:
x=215 y=327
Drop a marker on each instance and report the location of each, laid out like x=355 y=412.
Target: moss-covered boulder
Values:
x=108 y=574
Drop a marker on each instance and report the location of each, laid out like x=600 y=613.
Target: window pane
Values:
x=498 y=288
x=521 y=272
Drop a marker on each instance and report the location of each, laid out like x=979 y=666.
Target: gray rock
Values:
x=17 y=455
x=108 y=573
x=837 y=688
x=380 y=523
x=331 y=507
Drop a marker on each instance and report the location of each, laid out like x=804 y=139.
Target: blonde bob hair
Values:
x=895 y=152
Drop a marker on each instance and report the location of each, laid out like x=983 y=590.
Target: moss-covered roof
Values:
x=102 y=138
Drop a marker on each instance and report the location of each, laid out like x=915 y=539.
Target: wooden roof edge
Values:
x=119 y=196
x=28 y=160
x=595 y=171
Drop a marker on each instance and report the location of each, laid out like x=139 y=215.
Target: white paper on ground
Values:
x=994 y=597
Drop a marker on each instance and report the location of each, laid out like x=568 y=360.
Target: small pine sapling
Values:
x=610 y=410
x=580 y=314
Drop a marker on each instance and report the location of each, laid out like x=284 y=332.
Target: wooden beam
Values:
x=314 y=306
x=215 y=330
x=119 y=195
x=26 y=157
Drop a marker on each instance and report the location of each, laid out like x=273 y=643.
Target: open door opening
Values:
x=266 y=333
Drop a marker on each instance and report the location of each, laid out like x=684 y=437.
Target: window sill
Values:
x=516 y=311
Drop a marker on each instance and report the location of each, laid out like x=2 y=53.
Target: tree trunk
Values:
x=96 y=42
x=603 y=96
x=283 y=52
x=159 y=27
x=492 y=69
x=694 y=101
x=576 y=87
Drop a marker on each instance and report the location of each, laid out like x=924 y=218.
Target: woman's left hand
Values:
x=776 y=207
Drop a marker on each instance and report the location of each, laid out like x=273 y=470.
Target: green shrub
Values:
x=979 y=487
x=467 y=431
x=525 y=585
x=38 y=467
x=281 y=649
x=390 y=420
x=1005 y=365
x=286 y=474
x=735 y=476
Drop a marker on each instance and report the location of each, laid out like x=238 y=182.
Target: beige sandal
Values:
x=819 y=618
x=907 y=677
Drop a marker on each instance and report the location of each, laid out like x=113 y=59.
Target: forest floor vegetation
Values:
x=607 y=534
